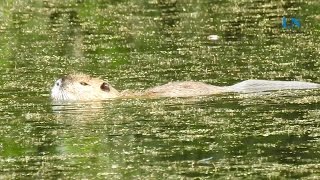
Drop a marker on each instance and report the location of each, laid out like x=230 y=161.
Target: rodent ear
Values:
x=105 y=87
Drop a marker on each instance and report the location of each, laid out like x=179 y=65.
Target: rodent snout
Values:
x=58 y=82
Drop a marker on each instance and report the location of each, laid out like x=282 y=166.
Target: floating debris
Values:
x=213 y=37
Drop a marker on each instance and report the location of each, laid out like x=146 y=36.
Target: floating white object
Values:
x=213 y=37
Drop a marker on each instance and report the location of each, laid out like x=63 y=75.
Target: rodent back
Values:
x=251 y=86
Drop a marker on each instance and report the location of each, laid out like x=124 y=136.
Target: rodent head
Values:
x=80 y=87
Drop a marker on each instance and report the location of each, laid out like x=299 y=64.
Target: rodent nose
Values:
x=58 y=82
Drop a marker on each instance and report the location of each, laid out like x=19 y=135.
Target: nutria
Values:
x=80 y=87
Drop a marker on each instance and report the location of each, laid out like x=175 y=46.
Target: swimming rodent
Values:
x=75 y=87
x=80 y=87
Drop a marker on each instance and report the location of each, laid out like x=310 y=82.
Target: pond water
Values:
x=140 y=44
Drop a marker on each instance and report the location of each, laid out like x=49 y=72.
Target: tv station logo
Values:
x=290 y=23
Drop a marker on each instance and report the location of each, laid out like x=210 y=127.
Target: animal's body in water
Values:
x=80 y=87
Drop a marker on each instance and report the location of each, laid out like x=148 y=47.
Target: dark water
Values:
x=140 y=44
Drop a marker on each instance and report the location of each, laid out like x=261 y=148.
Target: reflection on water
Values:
x=140 y=44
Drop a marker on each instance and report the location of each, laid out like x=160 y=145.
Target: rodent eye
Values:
x=57 y=84
x=84 y=83
x=105 y=87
